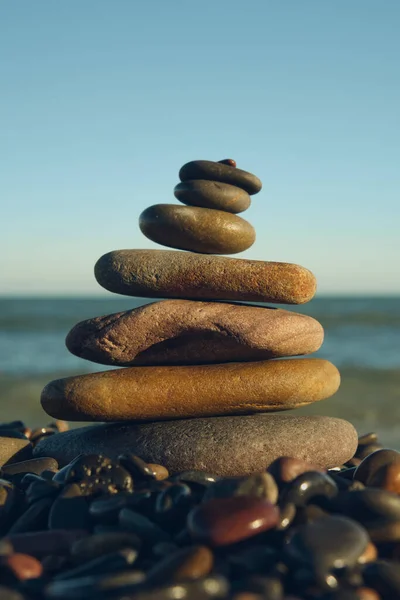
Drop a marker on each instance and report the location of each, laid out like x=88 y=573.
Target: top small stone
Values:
x=224 y=171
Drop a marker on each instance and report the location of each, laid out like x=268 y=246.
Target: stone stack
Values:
x=198 y=364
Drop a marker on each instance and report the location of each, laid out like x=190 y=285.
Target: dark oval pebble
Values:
x=94 y=546
x=259 y=485
x=172 y=506
x=107 y=563
x=70 y=510
x=196 y=229
x=364 y=451
x=329 y=543
x=213 y=194
x=93 y=586
x=185 y=564
x=257 y=558
x=138 y=468
x=35 y=465
x=36 y=487
x=307 y=487
x=287 y=468
x=213 y=586
x=148 y=532
x=384 y=577
x=373 y=463
x=216 y=171
x=199 y=478
x=224 y=521
x=43 y=543
x=34 y=518
x=106 y=510
x=367 y=505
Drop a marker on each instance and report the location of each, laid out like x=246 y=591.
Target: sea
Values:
x=362 y=338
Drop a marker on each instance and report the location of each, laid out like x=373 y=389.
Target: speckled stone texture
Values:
x=212 y=194
x=156 y=393
x=225 y=446
x=172 y=274
x=188 y=332
x=14 y=449
x=196 y=229
x=216 y=171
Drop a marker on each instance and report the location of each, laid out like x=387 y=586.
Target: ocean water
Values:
x=362 y=338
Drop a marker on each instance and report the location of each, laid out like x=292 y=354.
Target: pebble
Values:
x=308 y=486
x=224 y=521
x=333 y=542
x=173 y=274
x=43 y=543
x=180 y=332
x=374 y=467
x=70 y=510
x=258 y=485
x=14 y=449
x=94 y=546
x=384 y=577
x=217 y=171
x=216 y=443
x=212 y=194
x=196 y=229
x=185 y=564
x=286 y=468
x=35 y=465
x=157 y=393
x=20 y=567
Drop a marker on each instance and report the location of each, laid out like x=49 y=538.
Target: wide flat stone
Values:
x=212 y=194
x=222 y=445
x=172 y=274
x=216 y=171
x=188 y=332
x=196 y=229
x=155 y=393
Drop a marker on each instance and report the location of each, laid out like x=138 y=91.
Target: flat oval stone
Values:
x=188 y=332
x=216 y=171
x=328 y=543
x=156 y=393
x=216 y=444
x=171 y=274
x=212 y=194
x=196 y=229
x=223 y=521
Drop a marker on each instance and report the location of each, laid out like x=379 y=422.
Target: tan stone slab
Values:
x=196 y=229
x=226 y=446
x=151 y=393
x=172 y=274
x=189 y=332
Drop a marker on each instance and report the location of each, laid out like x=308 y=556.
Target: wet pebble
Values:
x=259 y=485
x=371 y=467
x=94 y=546
x=308 y=486
x=184 y=564
x=286 y=468
x=223 y=521
x=147 y=530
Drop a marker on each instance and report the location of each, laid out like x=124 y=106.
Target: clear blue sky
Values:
x=102 y=101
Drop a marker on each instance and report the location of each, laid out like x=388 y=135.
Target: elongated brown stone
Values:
x=172 y=274
x=146 y=393
x=188 y=332
x=196 y=229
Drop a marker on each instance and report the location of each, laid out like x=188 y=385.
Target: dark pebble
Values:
x=70 y=510
x=34 y=518
x=96 y=474
x=307 y=487
x=216 y=171
x=107 y=563
x=370 y=467
x=259 y=485
x=145 y=529
x=94 y=546
x=35 y=465
x=213 y=194
x=43 y=543
x=185 y=564
x=384 y=577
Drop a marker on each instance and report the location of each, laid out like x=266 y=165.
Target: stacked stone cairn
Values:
x=198 y=365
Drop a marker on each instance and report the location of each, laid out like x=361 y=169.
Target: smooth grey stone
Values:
x=213 y=194
x=332 y=542
x=214 y=444
x=216 y=171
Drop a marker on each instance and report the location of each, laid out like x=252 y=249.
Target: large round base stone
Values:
x=221 y=445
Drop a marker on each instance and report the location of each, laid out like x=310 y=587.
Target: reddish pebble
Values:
x=224 y=521
x=370 y=554
x=286 y=468
x=23 y=566
x=368 y=594
x=228 y=161
x=159 y=471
